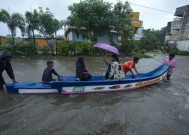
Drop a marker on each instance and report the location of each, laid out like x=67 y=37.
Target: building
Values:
x=177 y=34
x=136 y=24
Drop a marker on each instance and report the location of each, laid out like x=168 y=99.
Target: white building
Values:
x=177 y=34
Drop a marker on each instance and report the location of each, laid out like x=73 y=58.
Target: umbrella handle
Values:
x=105 y=61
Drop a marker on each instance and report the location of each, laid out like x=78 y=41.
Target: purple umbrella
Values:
x=107 y=47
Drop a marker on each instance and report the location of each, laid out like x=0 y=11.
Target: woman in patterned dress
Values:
x=116 y=71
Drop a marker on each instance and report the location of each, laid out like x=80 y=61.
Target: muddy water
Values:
x=159 y=109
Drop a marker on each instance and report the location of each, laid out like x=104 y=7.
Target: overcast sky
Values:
x=151 y=18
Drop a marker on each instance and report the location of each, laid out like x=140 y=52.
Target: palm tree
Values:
x=73 y=26
x=13 y=21
x=57 y=25
x=32 y=23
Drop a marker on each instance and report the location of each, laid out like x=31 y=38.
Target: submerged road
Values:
x=159 y=109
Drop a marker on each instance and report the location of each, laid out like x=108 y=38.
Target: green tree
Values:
x=153 y=39
x=122 y=20
x=57 y=26
x=160 y=34
x=32 y=23
x=48 y=24
x=13 y=21
x=122 y=25
x=72 y=25
x=93 y=16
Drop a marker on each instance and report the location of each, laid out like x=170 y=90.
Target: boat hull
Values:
x=68 y=84
x=30 y=88
x=107 y=88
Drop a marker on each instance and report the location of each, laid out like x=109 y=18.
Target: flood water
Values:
x=159 y=109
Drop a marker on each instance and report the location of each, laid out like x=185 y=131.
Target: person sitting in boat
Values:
x=127 y=66
x=172 y=62
x=48 y=71
x=5 y=64
x=115 y=71
x=82 y=73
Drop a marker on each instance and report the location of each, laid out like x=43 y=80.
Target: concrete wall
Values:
x=103 y=38
x=73 y=37
x=179 y=31
x=185 y=34
x=183 y=45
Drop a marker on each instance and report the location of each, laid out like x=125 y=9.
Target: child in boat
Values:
x=115 y=69
x=172 y=62
x=82 y=73
x=127 y=66
x=48 y=71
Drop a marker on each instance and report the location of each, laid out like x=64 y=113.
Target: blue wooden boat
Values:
x=69 y=85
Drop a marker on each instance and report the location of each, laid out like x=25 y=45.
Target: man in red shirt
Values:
x=127 y=66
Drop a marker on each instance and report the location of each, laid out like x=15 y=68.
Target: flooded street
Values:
x=159 y=109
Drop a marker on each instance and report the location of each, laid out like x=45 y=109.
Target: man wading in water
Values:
x=5 y=64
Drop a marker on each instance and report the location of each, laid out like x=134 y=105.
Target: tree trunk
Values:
x=47 y=42
x=12 y=37
x=33 y=37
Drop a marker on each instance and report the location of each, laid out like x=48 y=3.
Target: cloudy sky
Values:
x=151 y=18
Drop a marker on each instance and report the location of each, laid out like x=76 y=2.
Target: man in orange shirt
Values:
x=127 y=66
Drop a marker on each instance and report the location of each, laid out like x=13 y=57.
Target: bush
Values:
x=23 y=48
x=143 y=51
x=66 y=48
x=26 y=48
x=129 y=46
x=7 y=47
x=178 y=52
x=84 y=48
x=44 y=50
x=63 y=47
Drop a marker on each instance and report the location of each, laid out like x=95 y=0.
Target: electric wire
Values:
x=147 y=7
x=151 y=8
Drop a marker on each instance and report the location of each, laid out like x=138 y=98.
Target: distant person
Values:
x=129 y=65
x=172 y=62
x=115 y=69
x=51 y=45
x=82 y=73
x=48 y=71
x=5 y=64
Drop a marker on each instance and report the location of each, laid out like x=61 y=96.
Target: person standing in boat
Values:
x=129 y=65
x=115 y=71
x=82 y=73
x=172 y=62
x=48 y=71
x=5 y=64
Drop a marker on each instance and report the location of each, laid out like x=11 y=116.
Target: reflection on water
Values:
x=161 y=108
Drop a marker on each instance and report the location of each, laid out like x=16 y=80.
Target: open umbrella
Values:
x=107 y=47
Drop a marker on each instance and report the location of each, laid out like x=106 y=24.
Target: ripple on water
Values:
x=187 y=103
x=157 y=109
